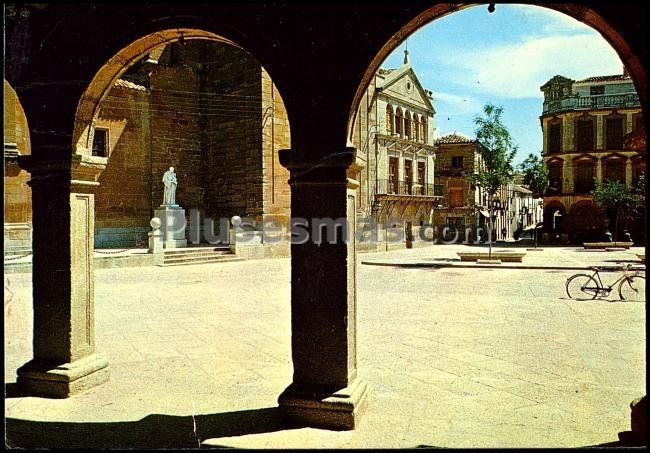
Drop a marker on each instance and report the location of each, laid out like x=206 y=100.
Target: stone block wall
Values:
x=123 y=199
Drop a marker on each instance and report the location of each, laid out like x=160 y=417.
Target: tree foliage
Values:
x=496 y=149
x=535 y=174
x=615 y=195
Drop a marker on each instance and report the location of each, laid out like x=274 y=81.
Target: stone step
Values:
x=189 y=259
x=203 y=261
x=223 y=248
x=197 y=254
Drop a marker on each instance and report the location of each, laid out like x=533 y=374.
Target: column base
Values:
x=65 y=380
x=338 y=410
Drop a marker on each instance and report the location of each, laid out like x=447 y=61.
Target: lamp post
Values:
x=494 y=205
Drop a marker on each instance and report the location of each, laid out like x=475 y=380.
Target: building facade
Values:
x=393 y=133
x=584 y=124
x=208 y=109
x=463 y=208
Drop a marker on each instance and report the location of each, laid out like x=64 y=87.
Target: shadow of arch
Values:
x=581 y=13
x=154 y=431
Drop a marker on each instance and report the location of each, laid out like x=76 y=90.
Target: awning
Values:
x=485 y=213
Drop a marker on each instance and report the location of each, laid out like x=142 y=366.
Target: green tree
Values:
x=496 y=150
x=535 y=174
x=614 y=195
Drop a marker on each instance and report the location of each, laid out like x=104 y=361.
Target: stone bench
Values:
x=603 y=245
x=506 y=257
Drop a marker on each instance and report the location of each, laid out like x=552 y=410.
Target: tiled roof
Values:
x=126 y=84
x=454 y=138
x=521 y=189
x=607 y=78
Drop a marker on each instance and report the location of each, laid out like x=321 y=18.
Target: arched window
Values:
x=424 y=128
x=389 y=119
x=407 y=124
x=398 y=121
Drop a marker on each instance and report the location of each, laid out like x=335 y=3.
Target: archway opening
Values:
x=388 y=158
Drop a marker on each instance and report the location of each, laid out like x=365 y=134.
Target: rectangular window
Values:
x=456 y=198
x=554 y=138
x=421 y=178
x=584 y=177
x=408 y=174
x=585 y=135
x=100 y=142
x=615 y=171
x=555 y=179
x=393 y=174
x=614 y=133
x=457 y=162
x=595 y=90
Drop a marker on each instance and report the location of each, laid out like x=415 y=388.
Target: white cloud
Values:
x=460 y=105
x=518 y=70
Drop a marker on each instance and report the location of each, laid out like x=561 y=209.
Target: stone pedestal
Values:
x=64 y=360
x=325 y=391
x=172 y=226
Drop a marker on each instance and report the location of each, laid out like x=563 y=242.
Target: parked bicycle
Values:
x=631 y=285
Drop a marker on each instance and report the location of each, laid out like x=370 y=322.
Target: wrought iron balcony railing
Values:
x=394 y=187
x=591 y=102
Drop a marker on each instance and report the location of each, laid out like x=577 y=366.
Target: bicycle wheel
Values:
x=632 y=289
x=582 y=287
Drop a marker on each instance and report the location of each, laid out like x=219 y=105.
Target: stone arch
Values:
x=553 y=210
x=17 y=193
x=105 y=78
x=407 y=124
x=582 y=13
x=585 y=221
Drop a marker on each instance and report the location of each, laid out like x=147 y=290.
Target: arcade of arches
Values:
x=60 y=73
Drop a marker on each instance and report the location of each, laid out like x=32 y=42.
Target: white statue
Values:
x=170 y=181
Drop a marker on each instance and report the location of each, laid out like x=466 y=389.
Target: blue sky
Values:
x=472 y=57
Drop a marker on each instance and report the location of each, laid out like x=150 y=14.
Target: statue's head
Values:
x=171 y=168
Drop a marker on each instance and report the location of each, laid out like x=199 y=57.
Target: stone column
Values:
x=326 y=391
x=65 y=361
x=600 y=134
x=567 y=175
x=401 y=177
x=628 y=172
x=599 y=170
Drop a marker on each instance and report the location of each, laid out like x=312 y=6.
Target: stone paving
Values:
x=454 y=358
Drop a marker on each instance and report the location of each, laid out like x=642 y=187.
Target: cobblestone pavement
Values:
x=453 y=357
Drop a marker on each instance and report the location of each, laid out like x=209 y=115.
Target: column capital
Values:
x=326 y=170
x=79 y=170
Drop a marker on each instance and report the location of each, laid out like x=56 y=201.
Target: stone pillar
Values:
x=629 y=122
x=325 y=391
x=568 y=133
x=65 y=361
x=401 y=176
x=628 y=172
x=567 y=175
x=600 y=134
x=599 y=171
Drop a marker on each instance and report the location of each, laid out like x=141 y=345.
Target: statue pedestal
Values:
x=172 y=226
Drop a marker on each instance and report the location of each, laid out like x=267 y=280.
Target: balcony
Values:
x=393 y=187
x=591 y=102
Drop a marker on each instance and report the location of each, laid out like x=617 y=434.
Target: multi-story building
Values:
x=393 y=133
x=584 y=123
x=463 y=207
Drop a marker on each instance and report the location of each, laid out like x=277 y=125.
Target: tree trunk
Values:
x=616 y=226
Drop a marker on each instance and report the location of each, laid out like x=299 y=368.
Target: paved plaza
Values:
x=454 y=357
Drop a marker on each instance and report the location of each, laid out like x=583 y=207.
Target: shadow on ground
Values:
x=152 y=432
